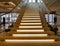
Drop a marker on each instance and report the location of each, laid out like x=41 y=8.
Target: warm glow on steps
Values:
x=30 y=23
x=30 y=26
x=30 y=41
x=30 y=20
x=30 y=35
x=41 y=30
x=30 y=16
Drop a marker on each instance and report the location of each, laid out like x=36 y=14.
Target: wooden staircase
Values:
x=30 y=29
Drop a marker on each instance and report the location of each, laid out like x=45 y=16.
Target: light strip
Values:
x=30 y=26
x=30 y=41
x=29 y=14
x=30 y=18
x=30 y=35
x=12 y=3
x=30 y=23
x=41 y=30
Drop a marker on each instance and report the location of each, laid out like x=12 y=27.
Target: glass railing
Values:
x=11 y=16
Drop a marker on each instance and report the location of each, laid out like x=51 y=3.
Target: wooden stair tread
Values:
x=16 y=26
x=48 y=37
x=30 y=28
x=46 y=32
x=26 y=38
x=30 y=44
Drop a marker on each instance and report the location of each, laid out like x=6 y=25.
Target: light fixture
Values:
x=30 y=18
x=30 y=23
x=30 y=26
x=41 y=30
x=12 y=3
x=30 y=41
x=30 y=35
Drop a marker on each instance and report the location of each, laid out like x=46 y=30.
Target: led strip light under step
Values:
x=41 y=30
x=30 y=18
x=30 y=26
x=30 y=35
x=30 y=41
x=30 y=23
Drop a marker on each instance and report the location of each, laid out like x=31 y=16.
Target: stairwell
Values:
x=30 y=29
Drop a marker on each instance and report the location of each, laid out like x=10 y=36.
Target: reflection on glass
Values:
x=33 y=1
x=6 y=26
x=11 y=17
x=50 y=18
x=46 y=16
x=30 y=1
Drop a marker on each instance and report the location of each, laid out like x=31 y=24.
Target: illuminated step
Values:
x=30 y=18
x=30 y=23
x=30 y=26
x=41 y=30
x=30 y=35
x=31 y=15
x=29 y=41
